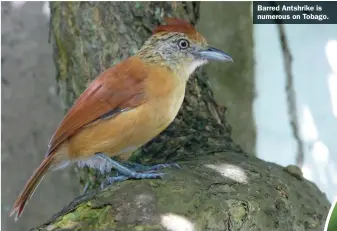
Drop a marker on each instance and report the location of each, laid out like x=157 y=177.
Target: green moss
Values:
x=238 y=213
x=85 y=216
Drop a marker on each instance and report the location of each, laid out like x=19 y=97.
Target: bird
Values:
x=126 y=106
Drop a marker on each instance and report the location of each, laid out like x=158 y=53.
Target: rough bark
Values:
x=229 y=26
x=219 y=186
x=220 y=191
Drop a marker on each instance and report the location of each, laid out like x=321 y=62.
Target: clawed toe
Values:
x=110 y=180
x=161 y=166
x=141 y=168
x=136 y=175
x=147 y=175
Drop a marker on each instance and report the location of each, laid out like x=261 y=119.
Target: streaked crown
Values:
x=179 y=26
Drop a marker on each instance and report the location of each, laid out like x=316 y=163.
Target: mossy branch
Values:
x=220 y=191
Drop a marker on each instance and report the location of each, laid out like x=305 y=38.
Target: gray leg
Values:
x=129 y=172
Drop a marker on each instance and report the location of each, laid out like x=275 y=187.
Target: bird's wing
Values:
x=117 y=89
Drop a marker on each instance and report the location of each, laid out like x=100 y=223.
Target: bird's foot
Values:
x=110 y=180
x=133 y=171
x=141 y=168
x=134 y=175
x=137 y=172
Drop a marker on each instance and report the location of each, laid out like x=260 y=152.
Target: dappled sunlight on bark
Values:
x=230 y=171
x=173 y=222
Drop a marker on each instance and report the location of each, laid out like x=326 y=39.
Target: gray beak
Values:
x=214 y=54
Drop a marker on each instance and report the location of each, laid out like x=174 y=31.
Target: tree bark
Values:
x=219 y=186
x=220 y=191
x=229 y=27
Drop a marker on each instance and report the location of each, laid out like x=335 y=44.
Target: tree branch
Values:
x=218 y=191
x=291 y=95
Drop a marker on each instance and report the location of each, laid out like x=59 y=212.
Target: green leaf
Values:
x=333 y=220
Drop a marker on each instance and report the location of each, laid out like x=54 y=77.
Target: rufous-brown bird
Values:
x=127 y=105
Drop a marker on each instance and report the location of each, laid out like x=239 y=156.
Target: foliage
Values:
x=333 y=220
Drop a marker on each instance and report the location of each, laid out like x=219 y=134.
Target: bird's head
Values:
x=180 y=47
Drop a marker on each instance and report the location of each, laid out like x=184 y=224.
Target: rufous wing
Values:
x=117 y=89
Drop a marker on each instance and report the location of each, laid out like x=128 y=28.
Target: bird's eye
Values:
x=183 y=43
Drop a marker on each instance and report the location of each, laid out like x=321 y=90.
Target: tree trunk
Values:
x=219 y=186
x=229 y=27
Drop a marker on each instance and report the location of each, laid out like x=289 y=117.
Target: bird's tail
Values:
x=30 y=187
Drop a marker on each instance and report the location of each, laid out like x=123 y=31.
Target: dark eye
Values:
x=183 y=43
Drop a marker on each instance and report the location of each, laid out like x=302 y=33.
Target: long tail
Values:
x=30 y=187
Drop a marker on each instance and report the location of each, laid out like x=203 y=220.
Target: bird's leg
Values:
x=127 y=173
x=85 y=188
